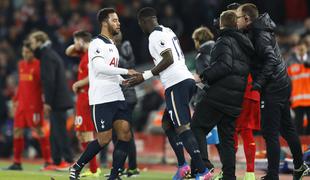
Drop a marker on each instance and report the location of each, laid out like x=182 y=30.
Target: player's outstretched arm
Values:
x=164 y=63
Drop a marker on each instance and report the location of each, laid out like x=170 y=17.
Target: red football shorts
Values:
x=25 y=119
x=83 y=120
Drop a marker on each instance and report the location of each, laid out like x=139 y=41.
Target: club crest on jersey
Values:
x=162 y=43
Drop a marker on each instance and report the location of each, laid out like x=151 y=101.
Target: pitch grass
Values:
x=31 y=172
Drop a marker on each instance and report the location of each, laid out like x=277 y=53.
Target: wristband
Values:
x=147 y=74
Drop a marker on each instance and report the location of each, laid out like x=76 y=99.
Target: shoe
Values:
x=74 y=172
x=48 y=167
x=88 y=173
x=63 y=166
x=15 y=167
x=132 y=172
x=207 y=175
x=183 y=172
x=219 y=176
x=266 y=177
x=300 y=172
x=117 y=178
x=249 y=176
x=121 y=172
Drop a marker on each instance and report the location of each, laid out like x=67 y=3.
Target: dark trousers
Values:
x=59 y=138
x=299 y=119
x=204 y=119
x=276 y=120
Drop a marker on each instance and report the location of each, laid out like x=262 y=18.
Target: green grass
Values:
x=31 y=172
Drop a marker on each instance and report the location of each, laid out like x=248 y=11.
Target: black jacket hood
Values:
x=243 y=41
x=263 y=22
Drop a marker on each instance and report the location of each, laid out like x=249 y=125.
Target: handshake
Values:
x=136 y=77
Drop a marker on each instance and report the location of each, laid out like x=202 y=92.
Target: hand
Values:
x=256 y=87
x=136 y=79
x=47 y=109
x=132 y=72
x=76 y=87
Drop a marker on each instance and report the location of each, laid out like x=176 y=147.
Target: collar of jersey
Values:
x=104 y=39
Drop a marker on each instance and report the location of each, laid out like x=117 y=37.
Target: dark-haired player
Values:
x=108 y=107
x=179 y=86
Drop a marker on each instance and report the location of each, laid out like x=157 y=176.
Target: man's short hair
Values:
x=202 y=34
x=26 y=44
x=103 y=14
x=40 y=36
x=228 y=19
x=86 y=36
x=146 y=12
x=250 y=10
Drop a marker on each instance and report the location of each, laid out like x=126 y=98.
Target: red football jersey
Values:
x=83 y=70
x=29 y=90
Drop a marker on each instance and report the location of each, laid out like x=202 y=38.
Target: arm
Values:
x=79 y=84
x=101 y=67
x=164 y=63
x=48 y=73
x=72 y=52
x=268 y=57
x=222 y=63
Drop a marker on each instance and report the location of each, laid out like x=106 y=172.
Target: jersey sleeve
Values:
x=159 y=42
x=96 y=51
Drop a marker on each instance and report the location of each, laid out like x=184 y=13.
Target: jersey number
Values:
x=177 y=47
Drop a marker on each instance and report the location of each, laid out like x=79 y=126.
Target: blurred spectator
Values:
x=151 y=101
x=57 y=99
x=171 y=20
x=299 y=72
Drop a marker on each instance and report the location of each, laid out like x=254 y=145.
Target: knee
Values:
x=183 y=128
x=124 y=135
x=85 y=136
x=104 y=138
x=166 y=126
x=18 y=132
x=39 y=131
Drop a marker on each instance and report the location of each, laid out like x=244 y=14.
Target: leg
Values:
x=122 y=130
x=18 y=144
x=204 y=119
x=85 y=138
x=308 y=118
x=288 y=132
x=270 y=121
x=132 y=155
x=236 y=140
x=226 y=128
x=62 y=137
x=55 y=144
x=173 y=138
x=299 y=119
x=177 y=100
x=249 y=148
x=44 y=144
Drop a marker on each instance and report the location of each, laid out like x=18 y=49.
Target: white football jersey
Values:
x=160 y=40
x=103 y=87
